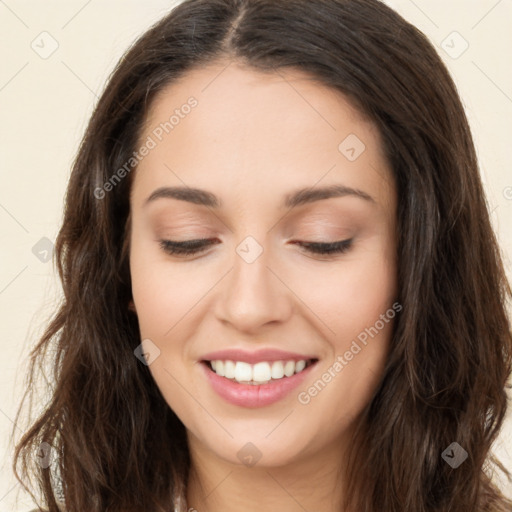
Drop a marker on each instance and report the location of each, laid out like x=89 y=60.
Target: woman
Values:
x=281 y=285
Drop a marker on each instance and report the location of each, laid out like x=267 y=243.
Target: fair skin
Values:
x=253 y=139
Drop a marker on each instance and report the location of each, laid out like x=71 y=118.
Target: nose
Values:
x=254 y=295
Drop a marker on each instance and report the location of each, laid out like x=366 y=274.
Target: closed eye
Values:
x=190 y=247
x=338 y=247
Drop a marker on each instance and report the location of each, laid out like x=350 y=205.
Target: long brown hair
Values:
x=117 y=445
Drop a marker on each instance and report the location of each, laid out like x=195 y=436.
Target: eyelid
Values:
x=185 y=247
x=197 y=246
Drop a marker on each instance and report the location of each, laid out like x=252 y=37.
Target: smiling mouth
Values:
x=264 y=372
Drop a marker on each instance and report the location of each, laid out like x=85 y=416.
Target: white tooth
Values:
x=289 y=368
x=229 y=369
x=300 y=365
x=243 y=371
x=219 y=368
x=261 y=372
x=277 y=370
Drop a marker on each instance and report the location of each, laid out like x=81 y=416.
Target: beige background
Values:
x=46 y=102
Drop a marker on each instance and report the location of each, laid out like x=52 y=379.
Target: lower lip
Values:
x=247 y=395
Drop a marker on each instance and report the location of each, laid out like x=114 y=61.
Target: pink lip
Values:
x=256 y=356
x=247 y=395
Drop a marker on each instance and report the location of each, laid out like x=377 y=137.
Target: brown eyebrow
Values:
x=309 y=195
x=191 y=195
x=297 y=198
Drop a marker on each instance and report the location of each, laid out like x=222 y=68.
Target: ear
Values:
x=131 y=306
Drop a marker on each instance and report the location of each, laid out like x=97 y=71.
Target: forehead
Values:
x=251 y=131
x=239 y=96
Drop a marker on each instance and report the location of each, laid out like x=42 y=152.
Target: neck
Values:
x=312 y=482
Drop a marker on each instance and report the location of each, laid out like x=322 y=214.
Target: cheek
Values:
x=351 y=373
x=162 y=293
x=362 y=318
x=369 y=291
x=351 y=295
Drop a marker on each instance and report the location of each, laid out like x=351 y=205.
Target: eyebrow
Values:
x=296 y=198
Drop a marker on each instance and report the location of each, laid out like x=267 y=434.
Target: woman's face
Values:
x=227 y=151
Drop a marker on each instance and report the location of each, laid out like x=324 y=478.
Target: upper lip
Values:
x=256 y=356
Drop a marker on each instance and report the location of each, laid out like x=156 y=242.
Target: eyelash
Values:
x=194 y=246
